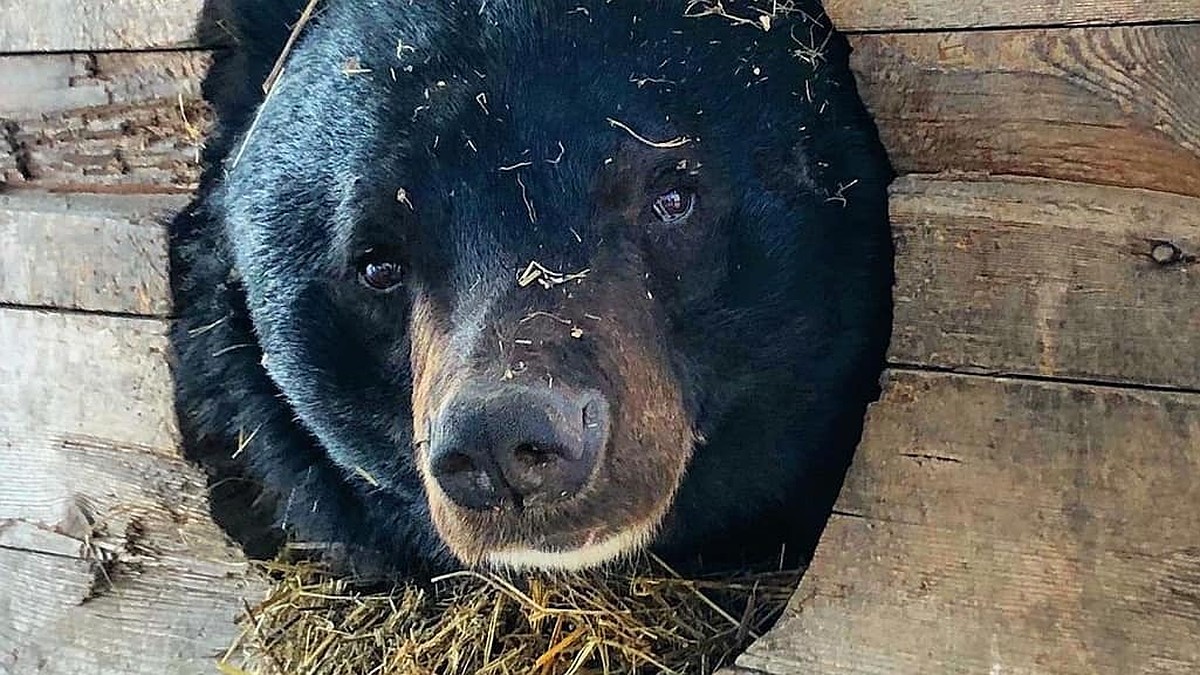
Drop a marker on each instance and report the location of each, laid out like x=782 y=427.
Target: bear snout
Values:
x=509 y=446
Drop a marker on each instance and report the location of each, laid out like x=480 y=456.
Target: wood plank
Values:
x=1019 y=276
x=102 y=523
x=96 y=25
x=1005 y=526
x=164 y=619
x=81 y=25
x=50 y=586
x=891 y=15
x=1117 y=106
x=103 y=253
x=1048 y=278
x=102 y=122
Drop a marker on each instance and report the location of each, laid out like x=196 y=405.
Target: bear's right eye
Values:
x=380 y=272
x=674 y=206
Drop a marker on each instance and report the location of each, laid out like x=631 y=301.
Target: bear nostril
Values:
x=454 y=463
x=594 y=413
x=465 y=481
x=531 y=456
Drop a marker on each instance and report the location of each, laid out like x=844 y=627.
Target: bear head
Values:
x=536 y=284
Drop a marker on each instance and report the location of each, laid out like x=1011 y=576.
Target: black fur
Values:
x=776 y=325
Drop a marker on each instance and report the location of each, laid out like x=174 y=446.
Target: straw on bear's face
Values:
x=549 y=425
x=540 y=283
x=551 y=428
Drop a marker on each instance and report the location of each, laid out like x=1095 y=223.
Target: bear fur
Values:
x=399 y=124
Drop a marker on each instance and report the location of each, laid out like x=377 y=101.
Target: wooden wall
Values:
x=1026 y=499
x=1027 y=496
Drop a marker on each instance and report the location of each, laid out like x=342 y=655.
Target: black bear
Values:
x=531 y=284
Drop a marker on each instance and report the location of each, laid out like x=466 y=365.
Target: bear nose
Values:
x=517 y=446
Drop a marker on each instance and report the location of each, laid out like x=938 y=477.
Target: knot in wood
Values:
x=1165 y=253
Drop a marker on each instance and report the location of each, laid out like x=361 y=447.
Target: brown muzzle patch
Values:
x=616 y=349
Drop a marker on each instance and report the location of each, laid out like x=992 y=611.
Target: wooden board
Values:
x=1117 y=106
x=103 y=527
x=68 y=618
x=892 y=15
x=1016 y=276
x=1004 y=526
x=1013 y=276
x=96 y=25
x=104 y=253
x=81 y=25
x=106 y=122
x=1048 y=278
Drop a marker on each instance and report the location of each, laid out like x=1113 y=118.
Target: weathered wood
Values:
x=99 y=25
x=81 y=25
x=1117 y=106
x=1019 y=276
x=1002 y=526
x=1048 y=278
x=103 y=527
x=105 y=122
x=36 y=85
x=885 y=15
x=39 y=590
x=162 y=619
x=86 y=252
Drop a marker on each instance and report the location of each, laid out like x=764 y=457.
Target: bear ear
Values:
x=249 y=23
x=250 y=35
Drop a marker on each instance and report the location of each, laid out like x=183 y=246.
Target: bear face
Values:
x=525 y=284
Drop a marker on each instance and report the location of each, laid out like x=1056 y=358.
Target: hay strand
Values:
x=641 y=617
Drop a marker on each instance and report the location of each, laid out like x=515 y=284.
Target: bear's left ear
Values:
x=250 y=36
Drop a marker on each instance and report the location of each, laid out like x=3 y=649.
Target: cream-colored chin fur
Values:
x=589 y=555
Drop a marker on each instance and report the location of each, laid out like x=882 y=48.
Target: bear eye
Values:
x=380 y=272
x=674 y=206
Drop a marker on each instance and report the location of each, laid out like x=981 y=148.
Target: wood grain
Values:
x=99 y=25
x=103 y=526
x=1014 y=276
x=1002 y=526
x=104 y=253
x=81 y=25
x=1047 y=278
x=104 y=122
x=1118 y=106
x=891 y=15
x=1115 y=106
x=169 y=618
